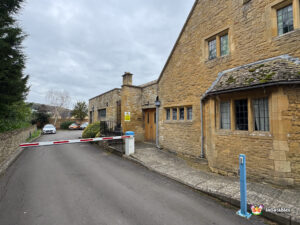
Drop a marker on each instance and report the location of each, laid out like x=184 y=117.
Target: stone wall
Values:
x=108 y=101
x=132 y=102
x=149 y=94
x=292 y=114
x=188 y=73
x=9 y=144
x=272 y=156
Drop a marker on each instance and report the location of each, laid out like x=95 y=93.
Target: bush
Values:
x=65 y=125
x=91 y=130
x=19 y=116
x=40 y=119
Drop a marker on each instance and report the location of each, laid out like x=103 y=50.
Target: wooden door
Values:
x=150 y=125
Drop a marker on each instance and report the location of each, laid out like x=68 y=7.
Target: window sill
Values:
x=178 y=121
x=245 y=133
x=212 y=62
x=278 y=37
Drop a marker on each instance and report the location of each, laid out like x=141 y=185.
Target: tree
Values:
x=40 y=118
x=13 y=82
x=60 y=100
x=80 y=110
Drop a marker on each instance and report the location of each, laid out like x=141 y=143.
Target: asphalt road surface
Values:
x=77 y=184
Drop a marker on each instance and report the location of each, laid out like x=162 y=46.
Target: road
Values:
x=77 y=184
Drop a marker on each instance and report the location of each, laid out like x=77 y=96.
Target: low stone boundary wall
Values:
x=9 y=145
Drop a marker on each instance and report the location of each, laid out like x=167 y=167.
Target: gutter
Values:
x=269 y=84
x=202 y=133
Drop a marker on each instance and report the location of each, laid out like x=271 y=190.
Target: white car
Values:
x=49 y=129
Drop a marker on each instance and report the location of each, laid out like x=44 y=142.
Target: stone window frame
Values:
x=172 y=116
x=229 y=103
x=250 y=96
x=180 y=115
x=266 y=118
x=101 y=117
x=217 y=37
x=187 y=113
x=243 y=125
x=168 y=115
x=177 y=108
x=279 y=4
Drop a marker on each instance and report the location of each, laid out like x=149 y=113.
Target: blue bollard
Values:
x=243 y=188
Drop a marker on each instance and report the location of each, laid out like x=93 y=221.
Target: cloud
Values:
x=84 y=47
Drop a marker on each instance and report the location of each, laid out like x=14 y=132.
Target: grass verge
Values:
x=34 y=135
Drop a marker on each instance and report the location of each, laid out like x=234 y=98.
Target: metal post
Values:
x=243 y=187
x=157 y=104
x=129 y=143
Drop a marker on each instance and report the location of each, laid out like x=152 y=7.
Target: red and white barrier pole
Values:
x=36 y=144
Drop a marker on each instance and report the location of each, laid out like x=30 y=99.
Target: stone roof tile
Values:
x=271 y=71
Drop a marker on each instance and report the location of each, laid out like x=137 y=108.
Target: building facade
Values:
x=231 y=85
x=130 y=107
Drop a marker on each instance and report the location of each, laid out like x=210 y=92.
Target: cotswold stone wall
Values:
x=9 y=144
x=132 y=102
x=106 y=101
x=188 y=73
x=272 y=156
x=292 y=114
x=149 y=94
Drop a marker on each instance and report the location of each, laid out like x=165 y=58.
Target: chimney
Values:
x=127 y=78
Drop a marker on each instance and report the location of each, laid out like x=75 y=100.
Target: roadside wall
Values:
x=9 y=144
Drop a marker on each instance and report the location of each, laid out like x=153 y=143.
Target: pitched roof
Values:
x=273 y=71
x=177 y=40
x=148 y=84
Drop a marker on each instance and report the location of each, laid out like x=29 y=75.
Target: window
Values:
x=224 y=45
x=225 y=115
x=174 y=113
x=102 y=114
x=212 y=48
x=218 y=45
x=285 y=20
x=241 y=114
x=168 y=114
x=189 y=113
x=181 y=113
x=91 y=117
x=261 y=114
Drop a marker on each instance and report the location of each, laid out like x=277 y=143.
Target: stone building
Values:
x=231 y=85
x=136 y=102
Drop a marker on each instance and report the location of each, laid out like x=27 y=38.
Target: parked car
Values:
x=74 y=126
x=49 y=129
x=83 y=126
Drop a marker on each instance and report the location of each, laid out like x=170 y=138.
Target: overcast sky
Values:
x=84 y=46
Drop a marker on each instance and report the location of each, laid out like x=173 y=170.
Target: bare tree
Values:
x=59 y=100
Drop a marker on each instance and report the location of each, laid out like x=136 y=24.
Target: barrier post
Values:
x=243 y=187
x=129 y=143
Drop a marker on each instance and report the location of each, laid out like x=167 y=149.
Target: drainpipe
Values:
x=157 y=104
x=202 y=133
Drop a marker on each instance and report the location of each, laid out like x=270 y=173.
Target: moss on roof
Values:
x=270 y=71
